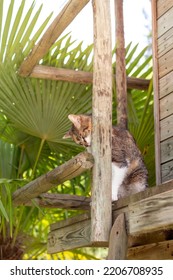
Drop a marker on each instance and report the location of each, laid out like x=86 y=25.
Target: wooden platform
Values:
x=149 y=223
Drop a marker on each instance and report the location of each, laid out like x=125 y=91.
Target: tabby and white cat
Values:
x=129 y=174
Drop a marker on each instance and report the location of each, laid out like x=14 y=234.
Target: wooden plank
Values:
x=101 y=208
x=167 y=150
x=70 y=221
x=70 y=237
x=60 y=174
x=78 y=229
x=156 y=92
x=63 y=201
x=156 y=251
x=81 y=77
x=65 y=17
x=166 y=63
x=166 y=106
x=165 y=42
x=166 y=128
x=167 y=171
x=166 y=85
x=151 y=214
x=165 y=22
x=163 y=6
x=121 y=83
x=118 y=239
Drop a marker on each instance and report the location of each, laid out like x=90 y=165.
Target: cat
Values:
x=129 y=174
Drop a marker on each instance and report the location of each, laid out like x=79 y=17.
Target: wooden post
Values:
x=118 y=239
x=156 y=93
x=121 y=83
x=101 y=207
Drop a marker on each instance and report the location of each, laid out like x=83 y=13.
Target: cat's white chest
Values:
x=118 y=175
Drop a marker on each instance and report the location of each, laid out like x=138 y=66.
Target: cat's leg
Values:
x=118 y=175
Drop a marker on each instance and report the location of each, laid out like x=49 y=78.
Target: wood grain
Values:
x=151 y=214
x=166 y=63
x=118 y=239
x=156 y=91
x=166 y=85
x=167 y=171
x=73 y=235
x=163 y=6
x=101 y=209
x=166 y=128
x=81 y=77
x=156 y=251
x=63 y=201
x=165 y=22
x=121 y=83
x=165 y=42
x=62 y=173
x=166 y=106
x=167 y=150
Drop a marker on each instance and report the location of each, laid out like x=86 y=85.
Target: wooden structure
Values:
x=163 y=86
x=137 y=227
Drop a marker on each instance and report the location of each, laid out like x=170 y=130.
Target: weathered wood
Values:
x=163 y=6
x=75 y=233
x=166 y=128
x=156 y=251
x=101 y=210
x=156 y=91
x=151 y=214
x=165 y=22
x=166 y=84
x=79 y=227
x=166 y=63
x=167 y=171
x=118 y=240
x=165 y=42
x=121 y=83
x=65 y=17
x=166 y=106
x=64 y=201
x=66 y=171
x=81 y=77
x=167 y=150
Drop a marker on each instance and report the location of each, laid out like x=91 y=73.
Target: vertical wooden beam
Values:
x=156 y=93
x=121 y=83
x=101 y=208
x=118 y=239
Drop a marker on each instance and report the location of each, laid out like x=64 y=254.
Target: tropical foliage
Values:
x=33 y=119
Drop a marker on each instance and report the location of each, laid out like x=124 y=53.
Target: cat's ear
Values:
x=76 y=120
x=67 y=135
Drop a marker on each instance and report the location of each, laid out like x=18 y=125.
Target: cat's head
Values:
x=80 y=131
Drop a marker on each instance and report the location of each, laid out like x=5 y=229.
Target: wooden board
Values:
x=70 y=234
x=118 y=239
x=166 y=106
x=165 y=22
x=165 y=42
x=167 y=171
x=156 y=251
x=166 y=85
x=163 y=6
x=166 y=128
x=151 y=214
x=166 y=64
x=167 y=150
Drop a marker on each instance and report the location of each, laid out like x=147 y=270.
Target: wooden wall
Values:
x=163 y=86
